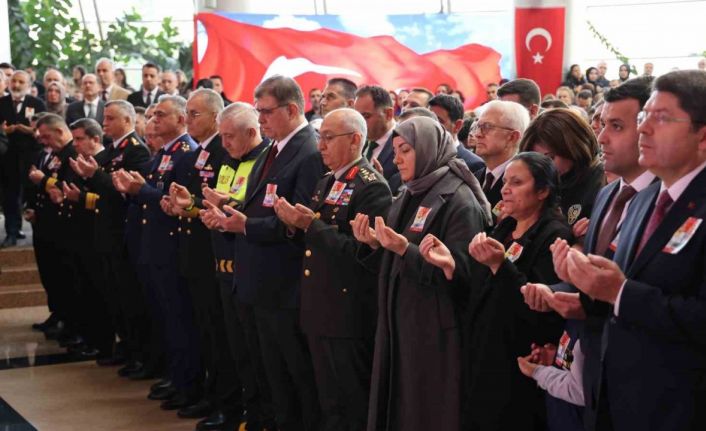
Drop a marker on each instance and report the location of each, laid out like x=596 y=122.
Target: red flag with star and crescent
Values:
x=539 y=45
x=244 y=54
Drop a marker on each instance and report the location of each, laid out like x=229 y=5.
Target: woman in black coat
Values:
x=498 y=326
x=568 y=140
x=416 y=366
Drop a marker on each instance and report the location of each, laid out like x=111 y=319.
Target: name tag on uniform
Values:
x=419 y=219
x=201 y=161
x=29 y=112
x=513 y=253
x=345 y=197
x=237 y=185
x=118 y=159
x=207 y=174
x=54 y=164
x=270 y=196
x=335 y=192
x=682 y=236
x=165 y=164
x=498 y=208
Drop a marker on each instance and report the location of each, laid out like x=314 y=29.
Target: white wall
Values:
x=4 y=32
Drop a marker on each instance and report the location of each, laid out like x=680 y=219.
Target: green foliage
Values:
x=45 y=34
x=609 y=46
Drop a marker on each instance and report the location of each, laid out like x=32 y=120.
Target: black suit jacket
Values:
x=20 y=142
x=654 y=355
x=389 y=168
x=495 y=194
x=75 y=112
x=267 y=262
x=137 y=99
x=338 y=297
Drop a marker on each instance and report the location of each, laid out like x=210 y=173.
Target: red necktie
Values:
x=268 y=162
x=664 y=201
x=610 y=226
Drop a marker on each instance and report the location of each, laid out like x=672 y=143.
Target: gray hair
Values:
x=353 y=119
x=213 y=100
x=102 y=60
x=125 y=108
x=418 y=111
x=51 y=69
x=512 y=114
x=178 y=102
x=242 y=115
x=283 y=89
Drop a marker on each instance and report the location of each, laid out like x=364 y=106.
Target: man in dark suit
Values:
x=91 y=106
x=269 y=258
x=375 y=105
x=449 y=112
x=339 y=295
x=167 y=292
x=619 y=141
x=16 y=111
x=498 y=132
x=150 y=92
x=652 y=352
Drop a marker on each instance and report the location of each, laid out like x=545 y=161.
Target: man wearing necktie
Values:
x=91 y=106
x=149 y=93
x=619 y=142
x=653 y=364
x=269 y=257
x=16 y=112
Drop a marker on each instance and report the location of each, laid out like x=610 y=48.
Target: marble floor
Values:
x=42 y=388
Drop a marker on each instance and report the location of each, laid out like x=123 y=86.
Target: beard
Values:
x=18 y=94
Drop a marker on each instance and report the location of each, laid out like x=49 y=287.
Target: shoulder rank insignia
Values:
x=367 y=175
x=134 y=141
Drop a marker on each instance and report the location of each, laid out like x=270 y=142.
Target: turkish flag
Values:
x=539 y=46
x=244 y=54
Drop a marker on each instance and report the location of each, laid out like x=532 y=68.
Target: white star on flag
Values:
x=538 y=58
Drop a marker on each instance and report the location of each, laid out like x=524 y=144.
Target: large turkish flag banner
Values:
x=245 y=54
x=539 y=45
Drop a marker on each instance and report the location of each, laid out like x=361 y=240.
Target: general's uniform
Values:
x=339 y=294
x=121 y=290
x=239 y=319
x=54 y=238
x=158 y=250
x=196 y=169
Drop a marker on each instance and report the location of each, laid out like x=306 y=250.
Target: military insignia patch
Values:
x=573 y=213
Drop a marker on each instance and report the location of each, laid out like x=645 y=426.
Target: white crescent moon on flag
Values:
x=538 y=31
x=293 y=67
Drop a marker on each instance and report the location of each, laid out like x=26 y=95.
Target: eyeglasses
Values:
x=195 y=114
x=659 y=117
x=269 y=111
x=484 y=128
x=328 y=138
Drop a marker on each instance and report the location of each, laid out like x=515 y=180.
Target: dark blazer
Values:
x=52 y=219
x=577 y=194
x=159 y=240
x=75 y=112
x=389 y=168
x=20 y=142
x=654 y=356
x=195 y=252
x=500 y=327
x=418 y=314
x=338 y=297
x=473 y=161
x=267 y=263
x=136 y=98
x=495 y=194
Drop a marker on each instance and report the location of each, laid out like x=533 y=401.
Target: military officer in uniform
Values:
x=158 y=250
x=127 y=306
x=338 y=293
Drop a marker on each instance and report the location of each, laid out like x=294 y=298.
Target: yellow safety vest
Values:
x=235 y=182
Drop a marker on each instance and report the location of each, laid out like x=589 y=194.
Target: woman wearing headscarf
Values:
x=56 y=98
x=624 y=72
x=416 y=367
x=499 y=327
